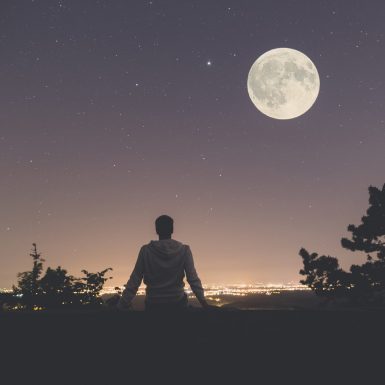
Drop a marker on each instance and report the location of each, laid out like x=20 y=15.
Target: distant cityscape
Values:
x=218 y=289
x=243 y=296
x=240 y=290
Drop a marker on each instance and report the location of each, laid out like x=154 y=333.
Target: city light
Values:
x=239 y=290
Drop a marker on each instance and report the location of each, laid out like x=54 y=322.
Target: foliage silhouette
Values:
x=28 y=281
x=363 y=284
x=91 y=285
x=56 y=288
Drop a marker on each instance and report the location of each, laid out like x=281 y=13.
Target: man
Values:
x=163 y=265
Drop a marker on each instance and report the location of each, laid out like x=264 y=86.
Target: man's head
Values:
x=164 y=226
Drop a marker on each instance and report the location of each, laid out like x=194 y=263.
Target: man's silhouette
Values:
x=163 y=265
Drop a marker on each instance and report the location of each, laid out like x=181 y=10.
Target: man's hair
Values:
x=164 y=225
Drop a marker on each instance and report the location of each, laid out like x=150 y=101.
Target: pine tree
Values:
x=28 y=281
x=363 y=283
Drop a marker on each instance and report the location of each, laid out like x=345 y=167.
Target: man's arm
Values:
x=133 y=284
x=193 y=279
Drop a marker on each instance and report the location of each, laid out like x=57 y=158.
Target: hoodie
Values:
x=163 y=265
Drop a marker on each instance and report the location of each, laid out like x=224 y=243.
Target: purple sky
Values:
x=111 y=115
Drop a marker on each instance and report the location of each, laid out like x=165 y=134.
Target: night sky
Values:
x=115 y=112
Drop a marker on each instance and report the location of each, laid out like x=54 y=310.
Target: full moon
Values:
x=283 y=83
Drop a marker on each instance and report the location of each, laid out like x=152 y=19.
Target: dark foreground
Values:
x=262 y=347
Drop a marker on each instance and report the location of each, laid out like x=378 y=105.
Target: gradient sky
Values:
x=114 y=112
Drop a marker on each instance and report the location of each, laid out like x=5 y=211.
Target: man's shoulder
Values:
x=181 y=243
x=176 y=245
x=154 y=242
x=145 y=246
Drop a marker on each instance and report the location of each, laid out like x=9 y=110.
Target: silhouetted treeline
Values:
x=54 y=288
x=362 y=284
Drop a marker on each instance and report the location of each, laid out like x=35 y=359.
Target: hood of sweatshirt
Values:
x=166 y=248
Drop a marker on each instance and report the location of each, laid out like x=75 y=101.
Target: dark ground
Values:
x=256 y=347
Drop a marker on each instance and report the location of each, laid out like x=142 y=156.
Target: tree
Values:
x=369 y=236
x=28 y=281
x=56 y=288
x=363 y=283
x=89 y=287
x=323 y=275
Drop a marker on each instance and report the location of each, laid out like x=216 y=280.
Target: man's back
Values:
x=163 y=265
x=163 y=270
